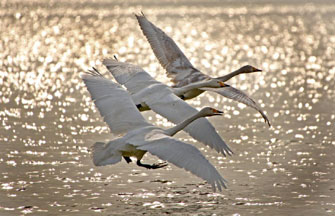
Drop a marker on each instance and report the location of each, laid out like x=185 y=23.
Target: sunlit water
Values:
x=49 y=122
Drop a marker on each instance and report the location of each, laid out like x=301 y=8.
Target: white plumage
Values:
x=101 y=90
x=160 y=98
x=117 y=108
x=183 y=73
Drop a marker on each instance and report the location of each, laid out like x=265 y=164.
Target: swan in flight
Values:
x=183 y=73
x=147 y=93
x=122 y=116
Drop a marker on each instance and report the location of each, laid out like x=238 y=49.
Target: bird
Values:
x=149 y=94
x=122 y=116
x=183 y=73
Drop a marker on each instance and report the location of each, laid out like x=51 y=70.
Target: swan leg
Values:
x=128 y=160
x=153 y=166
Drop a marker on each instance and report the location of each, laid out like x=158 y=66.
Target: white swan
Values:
x=120 y=113
x=147 y=93
x=183 y=73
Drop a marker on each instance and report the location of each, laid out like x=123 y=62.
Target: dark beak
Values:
x=257 y=70
x=222 y=84
x=219 y=112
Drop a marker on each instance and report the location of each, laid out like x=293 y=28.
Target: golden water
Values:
x=49 y=122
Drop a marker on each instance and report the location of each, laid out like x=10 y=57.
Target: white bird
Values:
x=120 y=113
x=147 y=93
x=183 y=73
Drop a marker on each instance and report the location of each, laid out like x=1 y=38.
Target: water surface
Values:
x=49 y=122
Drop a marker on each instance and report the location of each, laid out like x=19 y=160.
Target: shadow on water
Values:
x=49 y=122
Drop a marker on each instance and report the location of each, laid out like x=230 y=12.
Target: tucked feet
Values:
x=128 y=160
x=153 y=166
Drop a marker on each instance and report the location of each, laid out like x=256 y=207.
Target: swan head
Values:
x=209 y=111
x=249 y=69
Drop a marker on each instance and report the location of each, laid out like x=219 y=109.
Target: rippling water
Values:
x=49 y=122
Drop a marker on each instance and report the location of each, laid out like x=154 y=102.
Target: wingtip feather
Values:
x=109 y=61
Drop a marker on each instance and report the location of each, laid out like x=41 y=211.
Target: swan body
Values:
x=120 y=113
x=183 y=73
x=147 y=93
x=194 y=89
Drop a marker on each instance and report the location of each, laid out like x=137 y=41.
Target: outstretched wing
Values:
x=176 y=110
x=172 y=59
x=133 y=77
x=114 y=104
x=185 y=156
x=237 y=95
x=162 y=100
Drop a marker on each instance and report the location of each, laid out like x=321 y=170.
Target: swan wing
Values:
x=161 y=99
x=133 y=77
x=184 y=156
x=176 y=110
x=114 y=104
x=169 y=55
x=237 y=95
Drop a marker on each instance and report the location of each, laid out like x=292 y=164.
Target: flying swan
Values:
x=183 y=73
x=147 y=93
x=122 y=116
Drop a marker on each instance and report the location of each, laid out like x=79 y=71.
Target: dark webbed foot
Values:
x=153 y=166
x=128 y=160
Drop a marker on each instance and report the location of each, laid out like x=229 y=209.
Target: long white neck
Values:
x=182 y=90
x=231 y=75
x=172 y=131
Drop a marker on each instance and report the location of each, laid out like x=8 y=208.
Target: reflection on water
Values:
x=49 y=122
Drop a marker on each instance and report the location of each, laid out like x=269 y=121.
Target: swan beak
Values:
x=217 y=112
x=222 y=84
x=257 y=70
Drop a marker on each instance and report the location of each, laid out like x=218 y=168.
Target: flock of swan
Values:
x=120 y=105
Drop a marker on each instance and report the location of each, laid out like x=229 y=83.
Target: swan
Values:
x=147 y=93
x=183 y=73
x=119 y=111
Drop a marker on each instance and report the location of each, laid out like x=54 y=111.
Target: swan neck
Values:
x=230 y=75
x=172 y=131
